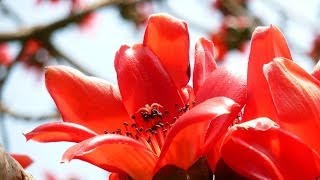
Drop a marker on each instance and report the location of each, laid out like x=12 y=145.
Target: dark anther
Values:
x=146 y=116
x=134 y=125
x=140 y=129
x=126 y=124
x=174 y=119
x=154 y=132
x=105 y=132
x=157 y=126
x=118 y=131
x=184 y=109
x=137 y=137
x=129 y=134
x=155 y=113
x=149 y=140
x=166 y=112
x=133 y=117
x=193 y=103
x=161 y=124
x=148 y=130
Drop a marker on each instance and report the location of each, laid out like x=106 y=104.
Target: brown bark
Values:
x=10 y=169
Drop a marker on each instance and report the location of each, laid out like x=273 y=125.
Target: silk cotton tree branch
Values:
x=17 y=115
x=43 y=33
x=10 y=168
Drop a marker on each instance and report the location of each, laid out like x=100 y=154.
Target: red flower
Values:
x=233 y=34
x=24 y=160
x=291 y=94
x=30 y=48
x=5 y=58
x=148 y=121
x=88 y=21
x=287 y=147
x=260 y=149
x=315 y=49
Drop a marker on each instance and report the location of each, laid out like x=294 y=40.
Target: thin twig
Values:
x=57 y=53
x=10 y=168
x=20 y=116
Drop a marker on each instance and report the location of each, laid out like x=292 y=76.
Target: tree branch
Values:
x=10 y=168
x=7 y=111
x=53 y=50
x=44 y=31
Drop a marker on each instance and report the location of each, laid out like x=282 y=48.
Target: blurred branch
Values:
x=231 y=6
x=45 y=31
x=57 y=53
x=10 y=168
x=7 y=111
x=9 y=11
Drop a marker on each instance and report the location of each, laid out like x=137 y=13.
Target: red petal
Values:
x=118 y=176
x=23 y=160
x=259 y=149
x=114 y=176
x=118 y=151
x=225 y=81
x=184 y=141
x=88 y=101
x=296 y=96
x=142 y=80
x=213 y=155
x=266 y=44
x=204 y=62
x=60 y=131
x=316 y=71
x=168 y=38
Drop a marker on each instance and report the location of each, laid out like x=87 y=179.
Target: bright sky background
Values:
x=95 y=50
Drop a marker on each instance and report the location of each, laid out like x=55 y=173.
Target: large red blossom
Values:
x=280 y=89
x=146 y=122
x=286 y=146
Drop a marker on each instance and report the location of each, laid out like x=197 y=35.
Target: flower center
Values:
x=155 y=125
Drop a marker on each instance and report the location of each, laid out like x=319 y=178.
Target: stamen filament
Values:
x=155 y=145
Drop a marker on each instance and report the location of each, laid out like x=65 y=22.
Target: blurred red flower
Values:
x=232 y=35
x=5 y=57
x=315 y=49
x=24 y=160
